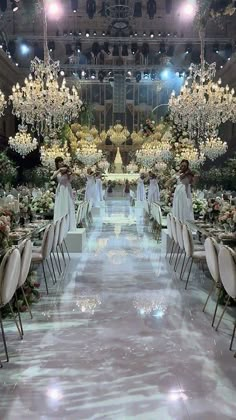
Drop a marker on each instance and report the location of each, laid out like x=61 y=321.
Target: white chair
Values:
x=227 y=269
x=61 y=237
x=41 y=255
x=213 y=267
x=192 y=255
x=174 y=234
x=54 y=250
x=65 y=234
x=25 y=249
x=179 y=234
x=169 y=233
x=9 y=276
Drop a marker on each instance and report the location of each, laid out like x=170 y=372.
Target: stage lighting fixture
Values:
x=151 y=34
x=24 y=49
x=74 y=5
x=134 y=48
x=54 y=10
x=129 y=73
x=82 y=73
x=216 y=48
x=162 y=48
x=151 y=8
x=146 y=74
x=94 y=33
x=124 y=51
x=115 y=51
x=144 y=33
x=79 y=33
x=138 y=9
x=165 y=74
x=51 y=46
x=159 y=33
x=3 y=5
x=62 y=73
x=101 y=76
x=14 y=6
x=138 y=76
x=135 y=33
x=93 y=74
x=87 y=34
x=78 y=47
x=103 y=33
x=106 y=48
x=188 y=48
x=153 y=75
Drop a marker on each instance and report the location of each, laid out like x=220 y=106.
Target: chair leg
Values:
x=59 y=262
x=26 y=301
x=15 y=320
x=4 y=337
x=53 y=270
x=45 y=278
x=208 y=297
x=177 y=259
x=190 y=269
x=232 y=338
x=50 y=271
x=66 y=249
x=62 y=253
x=215 y=311
x=56 y=263
x=225 y=307
x=19 y=315
x=181 y=272
x=172 y=249
x=184 y=268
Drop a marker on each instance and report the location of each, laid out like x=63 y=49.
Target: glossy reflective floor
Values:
x=120 y=338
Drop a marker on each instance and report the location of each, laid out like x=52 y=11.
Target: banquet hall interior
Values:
x=117 y=209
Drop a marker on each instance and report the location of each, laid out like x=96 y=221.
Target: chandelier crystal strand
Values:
x=42 y=103
x=23 y=143
x=3 y=103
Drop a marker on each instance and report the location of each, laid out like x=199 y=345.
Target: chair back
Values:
x=48 y=243
x=227 y=268
x=26 y=255
x=10 y=272
x=179 y=233
x=56 y=235
x=212 y=259
x=168 y=223
x=62 y=231
x=173 y=227
x=188 y=241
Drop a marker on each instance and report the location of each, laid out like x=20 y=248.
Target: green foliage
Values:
x=8 y=170
x=37 y=176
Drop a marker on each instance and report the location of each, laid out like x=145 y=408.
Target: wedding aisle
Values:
x=119 y=338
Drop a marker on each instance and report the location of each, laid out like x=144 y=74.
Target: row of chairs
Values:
x=219 y=259
x=84 y=213
x=16 y=263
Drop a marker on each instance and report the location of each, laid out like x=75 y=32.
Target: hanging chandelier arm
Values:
x=45 y=34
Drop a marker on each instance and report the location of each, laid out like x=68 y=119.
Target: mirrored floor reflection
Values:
x=119 y=338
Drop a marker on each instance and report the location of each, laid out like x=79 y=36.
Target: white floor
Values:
x=120 y=338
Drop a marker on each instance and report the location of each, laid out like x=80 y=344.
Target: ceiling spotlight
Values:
x=135 y=33
x=144 y=33
x=17 y=64
x=129 y=73
x=79 y=33
x=54 y=10
x=103 y=33
x=165 y=74
x=151 y=34
x=74 y=5
x=188 y=10
x=188 y=48
x=87 y=34
x=14 y=6
x=83 y=73
x=215 y=48
x=93 y=74
x=62 y=73
x=159 y=33
x=138 y=76
x=146 y=74
x=221 y=66
x=94 y=33
x=24 y=49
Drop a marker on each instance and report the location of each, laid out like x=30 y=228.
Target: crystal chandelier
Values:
x=192 y=154
x=3 y=103
x=23 y=143
x=104 y=165
x=88 y=154
x=132 y=167
x=202 y=105
x=213 y=148
x=118 y=134
x=49 y=154
x=42 y=102
x=137 y=138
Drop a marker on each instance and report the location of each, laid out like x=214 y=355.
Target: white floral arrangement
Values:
x=43 y=204
x=200 y=205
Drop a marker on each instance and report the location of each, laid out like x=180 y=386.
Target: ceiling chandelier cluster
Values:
x=49 y=154
x=118 y=134
x=202 y=105
x=88 y=154
x=23 y=143
x=42 y=102
x=3 y=103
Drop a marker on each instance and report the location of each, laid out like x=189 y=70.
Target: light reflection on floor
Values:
x=119 y=338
